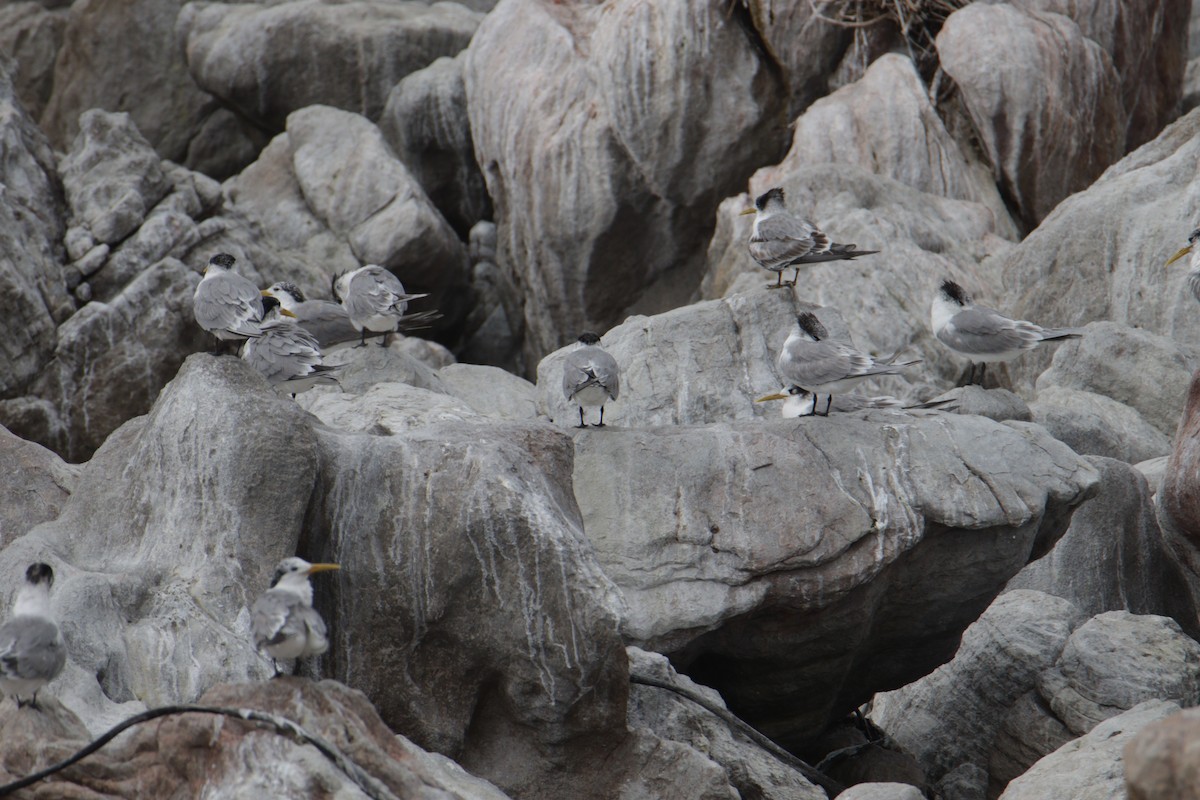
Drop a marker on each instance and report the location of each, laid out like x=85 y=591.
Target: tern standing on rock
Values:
x=374 y=298
x=287 y=355
x=1193 y=275
x=810 y=360
x=32 y=652
x=284 y=623
x=225 y=304
x=799 y=402
x=983 y=334
x=780 y=240
x=590 y=377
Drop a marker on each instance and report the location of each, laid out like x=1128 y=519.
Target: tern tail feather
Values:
x=1062 y=333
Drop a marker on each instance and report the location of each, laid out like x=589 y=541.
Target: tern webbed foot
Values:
x=775 y=285
x=599 y=425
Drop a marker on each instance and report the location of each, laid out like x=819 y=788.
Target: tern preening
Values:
x=983 y=334
x=282 y=619
x=811 y=360
x=225 y=304
x=32 y=652
x=800 y=402
x=1193 y=275
x=590 y=376
x=780 y=240
x=328 y=322
x=287 y=355
x=374 y=299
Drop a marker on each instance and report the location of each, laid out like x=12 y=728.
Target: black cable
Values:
x=831 y=787
x=370 y=786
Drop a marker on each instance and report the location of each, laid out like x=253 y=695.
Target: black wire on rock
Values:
x=370 y=785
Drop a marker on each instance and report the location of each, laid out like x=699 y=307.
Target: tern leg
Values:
x=778 y=284
x=581 y=424
x=599 y=424
x=383 y=340
x=982 y=372
x=795 y=277
x=828 y=404
x=362 y=341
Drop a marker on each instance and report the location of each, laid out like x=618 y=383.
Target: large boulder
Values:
x=803 y=596
x=34 y=489
x=30 y=35
x=806 y=47
x=1160 y=762
x=1096 y=425
x=1044 y=98
x=353 y=53
x=596 y=188
x=1179 y=493
x=1089 y=768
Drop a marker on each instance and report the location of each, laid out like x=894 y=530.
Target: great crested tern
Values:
x=32 y=652
x=780 y=239
x=983 y=334
x=225 y=304
x=374 y=299
x=811 y=360
x=287 y=355
x=590 y=376
x=800 y=402
x=328 y=322
x=282 y=619
x=1193 y=275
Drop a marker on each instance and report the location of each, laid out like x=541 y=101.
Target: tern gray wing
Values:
x=31 y=648
x=985 y=331
x=274 y=618
x=780 y=240
x=590 y=366
x=835 y=252
x=228 y=302
x=282 y=350
x=375 y=291
x=328 y=322
x=812 y=364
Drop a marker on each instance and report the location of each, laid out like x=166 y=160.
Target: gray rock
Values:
x=952 y=716
x=152 y=569
x=881 y=791
x=425 y=122
x=739 y=589
x=33 y=293
x=1158 y=762
x=1147 y=41
x=1115 y=661
x=111 y=176
x=491 y=391
x=33 y=489
x=1148 y=373
x=1027 y=732
x=805 y=47
x=585 y=249
x=99 y=68
x=1093 y=424
x=1022 y=75
x=110 y=360
x=885 y=124
x=1154 y=469
x=751 y=770
x=354 y=52
x=1089 y=768
x=223 y=144
x=1114 y=556
x=388 y=408
x=30 y=35
x=997 y=404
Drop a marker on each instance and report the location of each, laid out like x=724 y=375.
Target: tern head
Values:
x=954 y=293
x=811 y=326
x=339 y=284
x=293 y=571
x=286 y=292
x=39 y=574
x=222 y=261
x=589 y=338
x=1185 y=251
x=273 y=308
x=770 y=200
x=791 y=391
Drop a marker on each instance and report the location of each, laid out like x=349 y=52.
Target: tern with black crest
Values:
x=374 y=299
x=225 y=304
x=32 y=652
x=780 y=240
x=282 y=619
x=590 y=377
x=811 y=360
x=287 y=355
x=983 y=334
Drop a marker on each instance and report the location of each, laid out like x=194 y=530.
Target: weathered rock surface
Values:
x=885 y=124
x=30 y=35
x=1044 y=98
x=1179 y=493
x=150 y=81
x=33 y=488
x=184 y=754
x=1096 y=425
x=1089 y=768
x=881 y=791
x=806 y=47
x=596 y=189
x=953 y=716
x=354 y=52
x=1114 y=557
x=425 y=122
x=739 y=589
x=1160 y=762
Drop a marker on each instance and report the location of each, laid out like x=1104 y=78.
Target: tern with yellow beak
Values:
x=287 y=355
x=225 y=304
x=780 y=240
x=800 y=402
x=283 y=621
x=1193 y=275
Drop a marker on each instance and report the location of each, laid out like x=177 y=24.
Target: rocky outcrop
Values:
x=1159 y=763
x=596 y=189
x=1089 y=768
x=30 y=35
x=1096 y=425
x=806 y=47
x=1044 y=98
x=33 y=489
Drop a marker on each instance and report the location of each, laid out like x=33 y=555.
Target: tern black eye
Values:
x=1195 y=235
